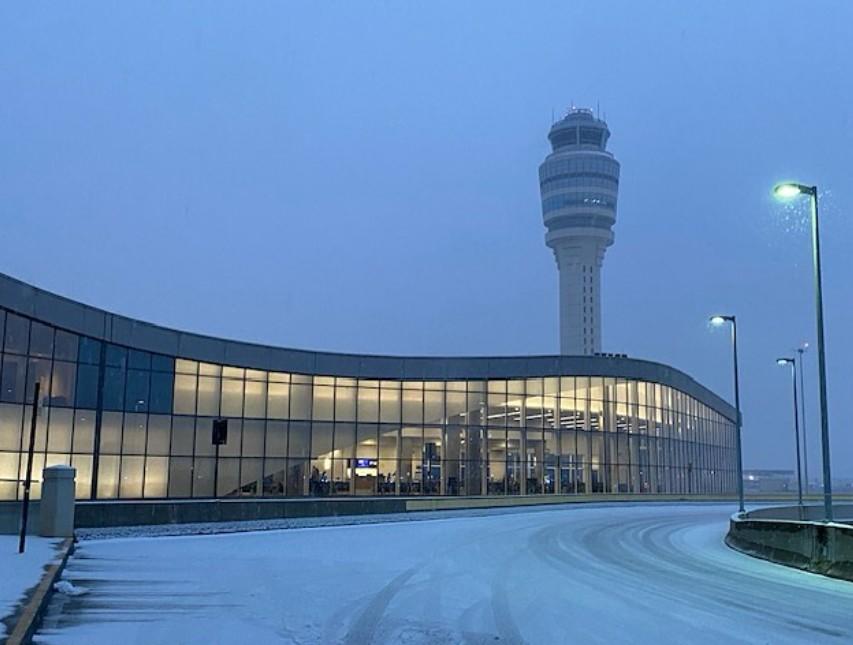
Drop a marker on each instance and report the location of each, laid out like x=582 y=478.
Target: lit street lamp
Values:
x=793 y=363
x=801 y=350
x=717 y=321
x=787 y=191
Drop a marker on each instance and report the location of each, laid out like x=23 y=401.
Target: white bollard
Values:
x=56 y=511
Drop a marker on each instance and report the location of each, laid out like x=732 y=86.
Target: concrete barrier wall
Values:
x=115 y=513
x=814 y=546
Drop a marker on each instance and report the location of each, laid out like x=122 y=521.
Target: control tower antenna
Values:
x=579 y=183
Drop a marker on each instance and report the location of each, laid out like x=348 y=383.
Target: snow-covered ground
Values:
x=592 y=574
x=21 y=572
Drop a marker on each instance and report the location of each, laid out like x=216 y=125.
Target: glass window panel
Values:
x=84 y=431
x=456 y=407
x=111 y=432
x=299 y=439
x=300 y=401
x=139 y=360
x=160 y=363
x=209 y=395
x=204 y=436
x=203 y=477
x=114 y=388
x=39 y=372
x=62 y=384
x=159 y=432
x=132 y=477
x=186 y=367
x=344 y=403
x=235 y=432
x=87 y=386
x=59 y=430
x=161 y=392
x=137 y=391
x=108 y=477
x=209 y=369
x=14 y=378
x=388 y=436
x=233 y=372
x=413 y=411
x=183 y=435
x=256 y=375
x=83 y=477
x=368 y=404
x=274 y=477
x=10 y=426
x=185 y=392
x=180 y=476
x=41 y=430
x=321 y=439
x=434 y=406
x=368 y=445
x=116 y=356
x=389 y=403
x=278 y=400
x=411 y=460
x=253 y=438
x=17 y=334
x=297 y=477
x=256 y=399
x=279 y=377
x=251 y=477
x=344 y=440
x=232 y=398
x=323 y=402
x=133 y=441
x=228 y=477
x=89 y=351
x=156 y=474
x=41 y=340
x=276 y=441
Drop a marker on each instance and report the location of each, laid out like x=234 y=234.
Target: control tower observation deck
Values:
x=579 y=183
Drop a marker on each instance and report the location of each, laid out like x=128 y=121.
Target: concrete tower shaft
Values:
x=579 y=184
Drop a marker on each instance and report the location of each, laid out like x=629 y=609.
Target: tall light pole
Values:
x=801 y=350
x=717 y=321
x=793 y=363
x=787 y=191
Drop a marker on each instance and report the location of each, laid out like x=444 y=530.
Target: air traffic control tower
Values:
x=579 y=182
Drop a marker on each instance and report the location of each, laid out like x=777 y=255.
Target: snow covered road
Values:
x=586 y=574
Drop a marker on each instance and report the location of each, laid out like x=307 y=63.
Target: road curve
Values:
x=586 y=574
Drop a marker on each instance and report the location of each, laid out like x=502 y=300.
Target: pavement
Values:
x=593 y=574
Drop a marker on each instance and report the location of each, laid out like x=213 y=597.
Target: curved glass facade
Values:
x=137 y=423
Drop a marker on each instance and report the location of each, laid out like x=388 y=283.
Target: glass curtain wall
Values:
x=139 y=425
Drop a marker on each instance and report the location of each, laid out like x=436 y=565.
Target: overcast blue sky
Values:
x=363 y=176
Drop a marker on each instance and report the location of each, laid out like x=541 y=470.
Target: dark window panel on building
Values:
x=17 y=334
x=89 y=351
x=114 y=387
x=87 y=386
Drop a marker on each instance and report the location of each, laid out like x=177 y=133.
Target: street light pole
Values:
x=787 y=190
x=793 y=363
x=801 y=350
x=719 y=320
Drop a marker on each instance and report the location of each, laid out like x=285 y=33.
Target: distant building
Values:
x=768 y=481
x=579 y=182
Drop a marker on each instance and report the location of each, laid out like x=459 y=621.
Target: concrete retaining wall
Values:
x=115 y=513
x=814 y=546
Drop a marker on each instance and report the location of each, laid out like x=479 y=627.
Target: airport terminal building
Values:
x=131 y=406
